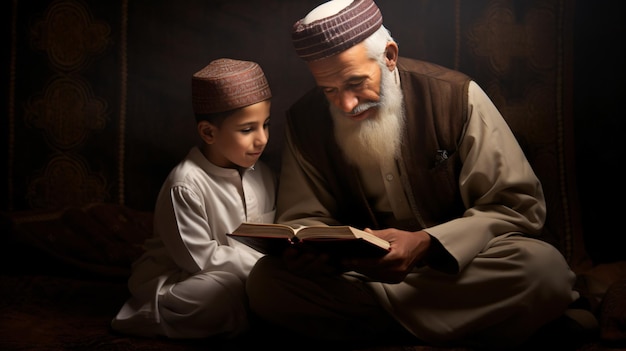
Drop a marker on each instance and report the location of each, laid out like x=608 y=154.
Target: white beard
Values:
x=377 y=139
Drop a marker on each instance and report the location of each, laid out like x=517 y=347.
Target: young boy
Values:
x=190 y=281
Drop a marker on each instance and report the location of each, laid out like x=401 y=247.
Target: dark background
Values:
x=600 y=122
x=141 y=76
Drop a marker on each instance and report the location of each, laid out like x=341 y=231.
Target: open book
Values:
x=337 y=241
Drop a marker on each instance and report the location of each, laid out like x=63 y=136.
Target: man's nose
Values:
x=346 y=101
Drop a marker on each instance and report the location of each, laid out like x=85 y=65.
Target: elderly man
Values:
x=420 y=156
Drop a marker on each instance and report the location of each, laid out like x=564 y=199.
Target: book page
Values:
x=337 y=241
x=324 y=231
x=340 y=232
x=264 y=230
x=371 y=238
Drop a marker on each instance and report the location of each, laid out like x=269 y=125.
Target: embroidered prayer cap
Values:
x=226 y=84
x=335 y=26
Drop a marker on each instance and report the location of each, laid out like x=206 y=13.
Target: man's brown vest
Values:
x=435 y=101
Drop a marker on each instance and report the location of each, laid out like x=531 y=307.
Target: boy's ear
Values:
x=207 y=131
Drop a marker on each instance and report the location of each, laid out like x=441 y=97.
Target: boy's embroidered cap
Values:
x=226 y=84
x=335 y=26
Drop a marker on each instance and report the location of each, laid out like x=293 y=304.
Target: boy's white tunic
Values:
x=190 y=281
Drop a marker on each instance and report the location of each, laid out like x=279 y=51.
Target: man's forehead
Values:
x=350 y=64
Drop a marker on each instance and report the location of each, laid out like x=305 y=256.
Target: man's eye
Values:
x=355 y=85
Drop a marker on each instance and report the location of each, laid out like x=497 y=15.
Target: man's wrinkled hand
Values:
x=408 y=250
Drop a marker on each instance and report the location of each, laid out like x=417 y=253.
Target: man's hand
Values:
x=407 y=250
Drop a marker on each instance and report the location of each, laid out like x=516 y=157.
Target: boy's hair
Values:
x=215 y=118
x=226 y=85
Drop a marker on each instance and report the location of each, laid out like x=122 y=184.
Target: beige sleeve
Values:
x=302 y=199
x=499 y=188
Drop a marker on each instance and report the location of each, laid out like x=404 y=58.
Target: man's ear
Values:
x=391 y=55
x=207 y=131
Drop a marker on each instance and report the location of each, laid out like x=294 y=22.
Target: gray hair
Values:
x=377 y=42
